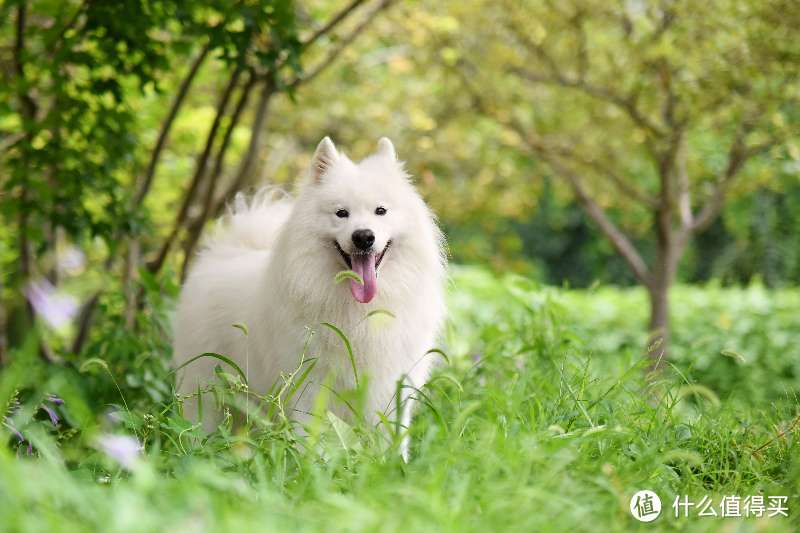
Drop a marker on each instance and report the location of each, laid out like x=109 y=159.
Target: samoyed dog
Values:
x=272 y=266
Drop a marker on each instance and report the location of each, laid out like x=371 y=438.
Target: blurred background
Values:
x=575 y=143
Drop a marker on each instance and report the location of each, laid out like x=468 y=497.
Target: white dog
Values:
x=272 y=266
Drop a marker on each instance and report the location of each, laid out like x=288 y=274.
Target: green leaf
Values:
x=376 y=312
x=348 y=274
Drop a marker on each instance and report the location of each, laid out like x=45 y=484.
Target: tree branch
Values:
x=618 y=239
x=211 y=205
x=246 y=165
x=737 y=156
x=556 y=76
x=332 y=23
x=343 y=43
x=29 y=107
x=166 y=126
x=200 y=172
x=624 y=103
x=85 y=322
x=29 y=114
x=196 y=227
x=622 y=185
x=683 y=192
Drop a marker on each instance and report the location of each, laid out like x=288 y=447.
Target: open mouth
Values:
x=349 y=262
x=365 y=264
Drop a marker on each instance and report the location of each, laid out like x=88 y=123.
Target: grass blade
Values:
x=220 y=357
x=347 y=345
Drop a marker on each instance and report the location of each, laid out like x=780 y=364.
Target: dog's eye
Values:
x=380 y=211
x=342 y=213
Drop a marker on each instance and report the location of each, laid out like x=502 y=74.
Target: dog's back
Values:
x=223 y=286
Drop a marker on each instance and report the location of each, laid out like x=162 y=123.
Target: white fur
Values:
x=271 y=266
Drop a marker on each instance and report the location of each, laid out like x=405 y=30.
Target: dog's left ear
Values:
x=386 y=148
x=324 y=158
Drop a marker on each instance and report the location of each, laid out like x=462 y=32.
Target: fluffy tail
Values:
x=251 y=223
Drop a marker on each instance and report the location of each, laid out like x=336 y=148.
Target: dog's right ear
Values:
x=324 y=158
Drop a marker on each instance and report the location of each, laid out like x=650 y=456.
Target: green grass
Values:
x=541 y=422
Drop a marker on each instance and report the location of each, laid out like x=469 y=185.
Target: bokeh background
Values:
x=618 y=181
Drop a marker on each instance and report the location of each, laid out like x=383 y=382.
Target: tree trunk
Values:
x=658 y=327
x=670 y=246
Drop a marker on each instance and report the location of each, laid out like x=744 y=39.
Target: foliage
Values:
x=540 y=422
x=497 y=202
x=78 y=175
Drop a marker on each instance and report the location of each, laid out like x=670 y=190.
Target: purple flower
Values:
x=71 y=260
x=52 y=398
x=51 y=413
x=20 y=437
x=54 y=419
x=15 y=431
x=55 y=307
x=123 y=449
x=55 y=400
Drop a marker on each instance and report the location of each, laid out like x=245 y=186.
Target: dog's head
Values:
x=365 y=212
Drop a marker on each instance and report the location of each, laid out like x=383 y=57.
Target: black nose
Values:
x=363 y=239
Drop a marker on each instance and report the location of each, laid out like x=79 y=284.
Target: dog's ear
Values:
x=325 y=156
x=386 y=148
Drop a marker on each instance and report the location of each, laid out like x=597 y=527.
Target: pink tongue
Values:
x=364 y=266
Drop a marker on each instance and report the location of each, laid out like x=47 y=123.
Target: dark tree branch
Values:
x=166 y=126
x=196 y=227
x=129 y=284
x=556 y=76
x=323 y=30
x=200 y=172
x=683 y=190
x=85 y=322
x=618 y=239
x=665 y=163
x=332 y=23
x=623 y=186
x=624 y=103
x=246 y=165
x=343 y=43
x=29 y=107
x=29 y=114
x=212 y=206
x=737 y=156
